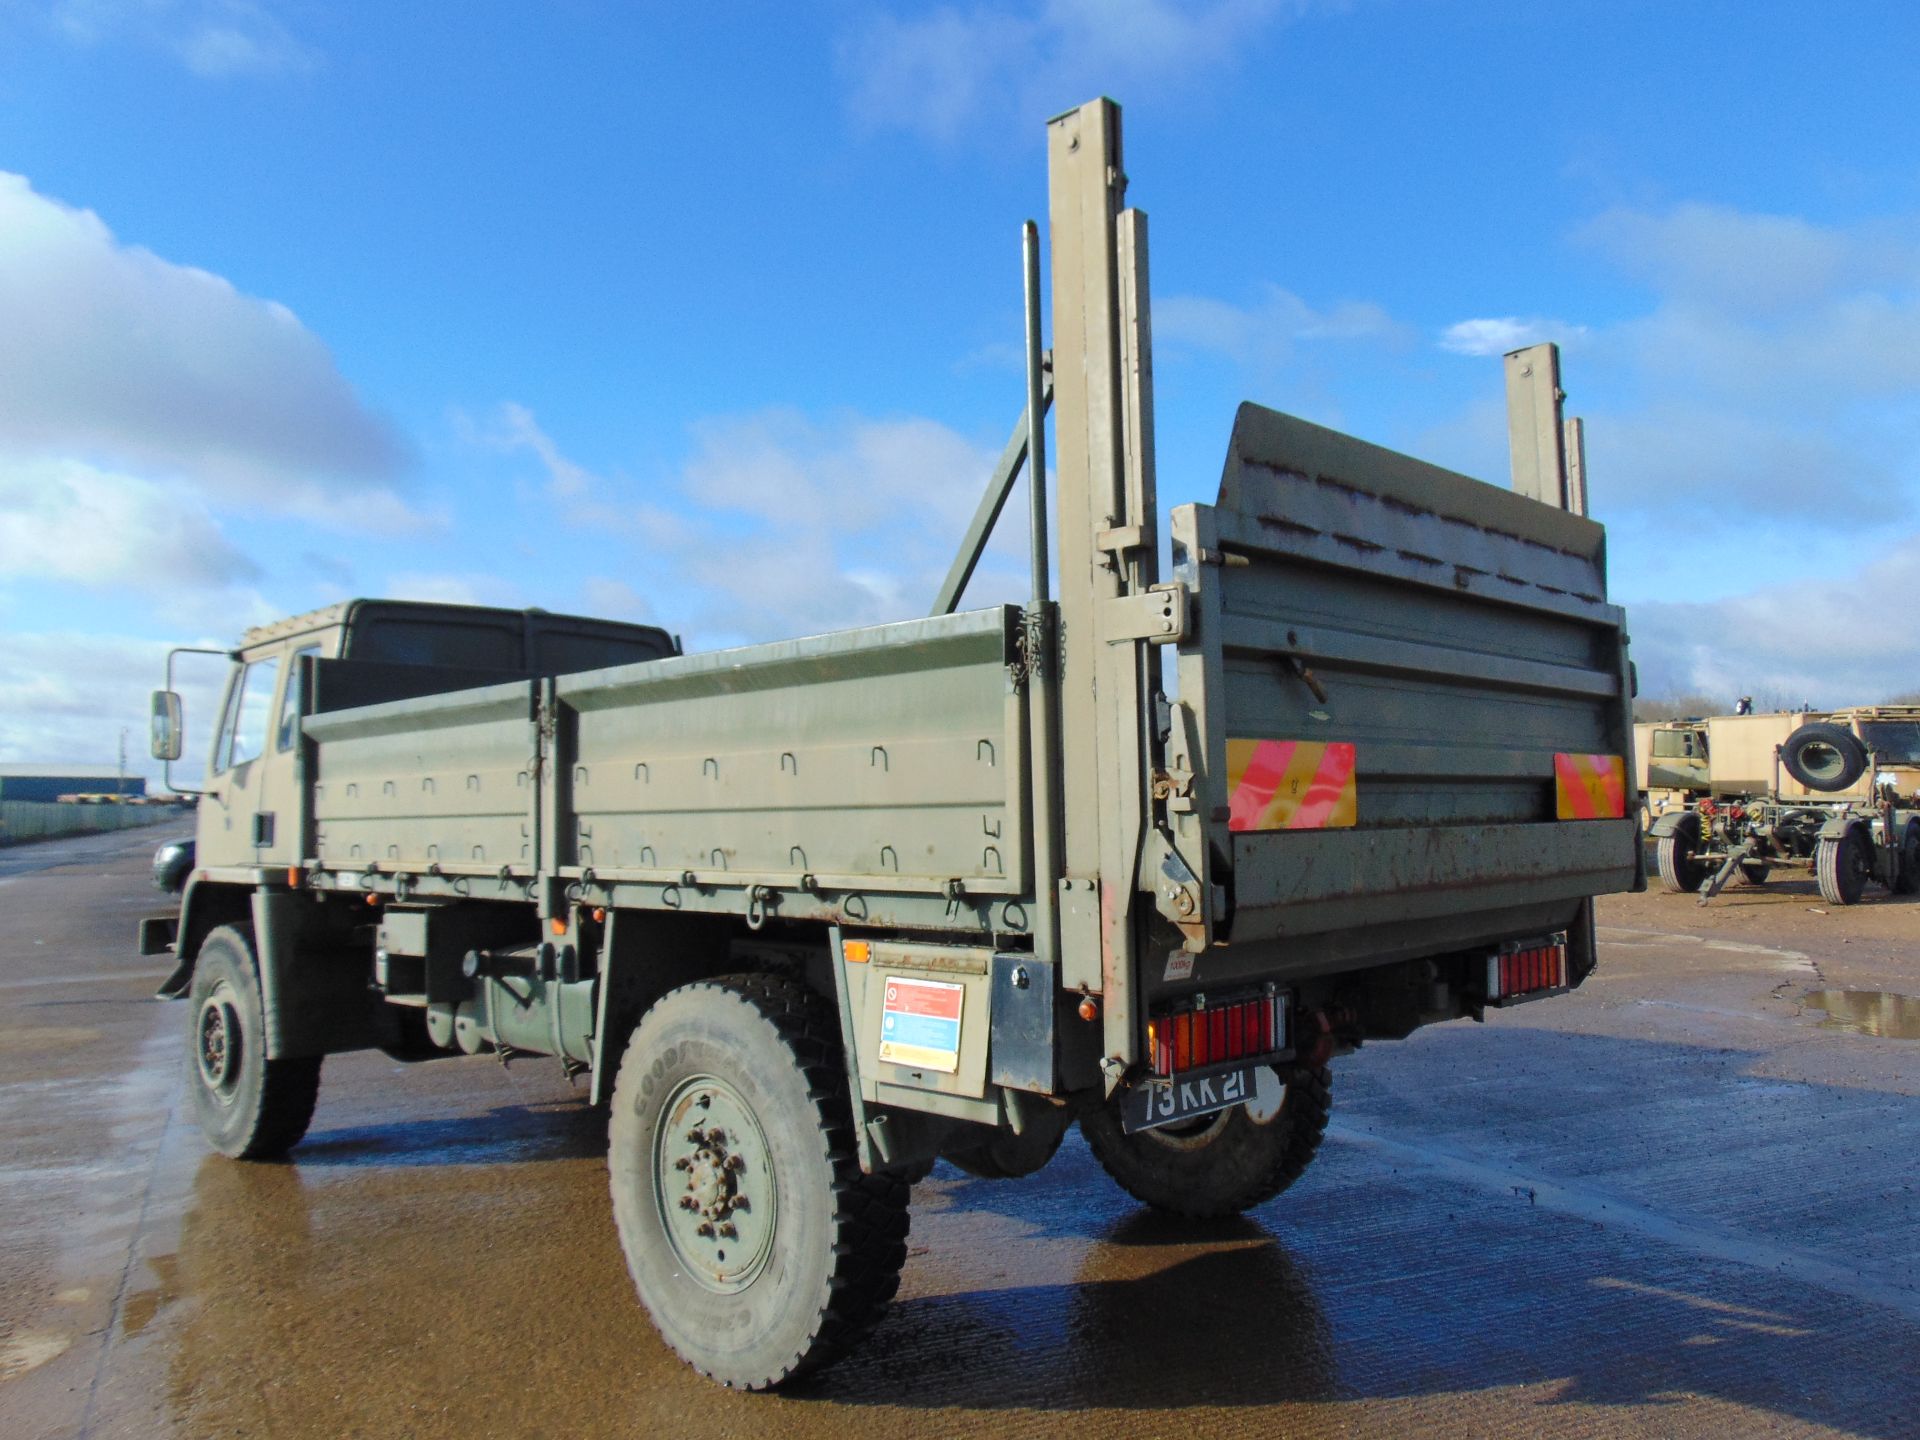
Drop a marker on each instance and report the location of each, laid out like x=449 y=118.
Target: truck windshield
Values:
x=1896 y=742
x=1679 y=744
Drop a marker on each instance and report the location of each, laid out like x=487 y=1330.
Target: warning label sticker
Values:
x=920 y=1023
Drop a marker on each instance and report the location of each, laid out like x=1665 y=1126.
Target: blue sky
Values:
x=715 y=322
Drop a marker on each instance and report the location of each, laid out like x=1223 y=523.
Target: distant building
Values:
x=48 y=783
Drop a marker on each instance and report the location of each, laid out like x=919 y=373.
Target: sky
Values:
x=710 y=317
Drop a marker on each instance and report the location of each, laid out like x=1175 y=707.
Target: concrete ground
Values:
x=1682 y=1201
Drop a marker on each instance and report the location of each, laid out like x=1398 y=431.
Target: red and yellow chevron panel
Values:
x=1291 y=785
x=1589 y=787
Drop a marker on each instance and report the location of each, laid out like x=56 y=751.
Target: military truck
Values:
x=808 y=915
x=1841 y=799
x=1673 y=770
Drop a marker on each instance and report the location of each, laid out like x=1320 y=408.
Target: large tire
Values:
x=1824 y=757
x=1842 y=866
x=249 y=1107
x=1222 y=1164
x=733 y=1091
x=1907 y=881
x=1677 y=855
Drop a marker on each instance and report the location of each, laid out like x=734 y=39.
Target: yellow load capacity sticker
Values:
x=1291 y=785
x=1589 y=787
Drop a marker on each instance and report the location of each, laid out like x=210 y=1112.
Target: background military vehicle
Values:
x=1840 y=797
x=810 y=914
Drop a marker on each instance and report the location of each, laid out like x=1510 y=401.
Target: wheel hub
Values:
x=714 y=1183
x=218 y=1048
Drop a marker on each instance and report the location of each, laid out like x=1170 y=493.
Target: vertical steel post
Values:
x=1043 y=690
x=1576 y=451
x=1534 y=433
x=1036 y=417
x=1105 y=505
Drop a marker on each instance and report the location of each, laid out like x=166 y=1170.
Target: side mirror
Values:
x=167 y=726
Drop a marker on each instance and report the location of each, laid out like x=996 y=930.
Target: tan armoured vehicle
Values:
x=1838 y=795
x=808 y=915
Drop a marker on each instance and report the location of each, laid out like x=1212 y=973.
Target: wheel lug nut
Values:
x=727 y=1232
x=687 y=1202
x=738 y=1202
x=735 y=1164
x=704 y=1229
x=683 y=1163
x=696 y=1135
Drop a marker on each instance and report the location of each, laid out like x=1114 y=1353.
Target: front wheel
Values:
x=757 y=1245
x=1842 y=866
x=1220 y=1164
x=249 y=1107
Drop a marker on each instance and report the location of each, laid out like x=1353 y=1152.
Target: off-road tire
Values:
x=838 y=1238
x=1801 y=756
x=1222 y=1165
x=1907 y=882
x=1754 y=872
x=249 y=1107
x=1681 y=872
x=1008 y=1156
x=1842 y=868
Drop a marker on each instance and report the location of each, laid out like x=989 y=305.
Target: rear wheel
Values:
x=1681 y=870
x=1220 y=1164
x=757 y=1245
x=248 y=1106
x=1843 y=867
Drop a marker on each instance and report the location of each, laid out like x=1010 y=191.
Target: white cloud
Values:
x=1267 y=332
x=65 y=520
x=110 y=353
x=215 y=39
x=65 y=697
x=511 y=427
x=614 y=599
x=934 y=71
x=1830 y=641
x=1499 y=334
x=779 y=524
x=453 y=589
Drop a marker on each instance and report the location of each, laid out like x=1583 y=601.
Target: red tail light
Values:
x=1205 y=1035
x=1527 y=968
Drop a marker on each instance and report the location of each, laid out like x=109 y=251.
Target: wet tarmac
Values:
x=1678 y=1202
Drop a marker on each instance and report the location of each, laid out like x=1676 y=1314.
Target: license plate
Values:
x=1153 y=1103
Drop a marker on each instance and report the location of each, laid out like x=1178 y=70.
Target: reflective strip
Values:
x=1589 y=787
x=1291 y=785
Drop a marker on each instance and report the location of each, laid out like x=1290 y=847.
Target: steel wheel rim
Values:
x=218 y=1044
x=714 y=1185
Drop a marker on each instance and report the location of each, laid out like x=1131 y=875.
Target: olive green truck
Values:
x=1145 y=855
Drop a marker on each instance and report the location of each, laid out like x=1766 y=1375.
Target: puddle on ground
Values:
x=1869 y=1012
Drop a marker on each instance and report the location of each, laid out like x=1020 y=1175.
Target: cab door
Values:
x=237 y=779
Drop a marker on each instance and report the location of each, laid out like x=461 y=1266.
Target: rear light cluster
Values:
x=1214 y=1034
x=1530 y=967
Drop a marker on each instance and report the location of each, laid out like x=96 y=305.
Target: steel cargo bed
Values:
x=1398 y=675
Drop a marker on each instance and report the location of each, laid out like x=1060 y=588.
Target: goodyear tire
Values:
x=757 y=1245
x=1842 y=866
x=1824 y=757
x=1221 y=1164
x=1907 y=882
x=1677 y=855
x=249 y=1107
